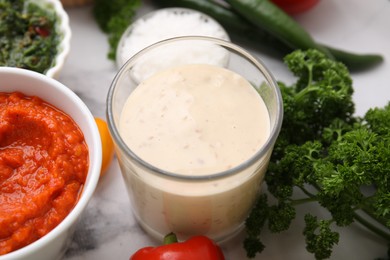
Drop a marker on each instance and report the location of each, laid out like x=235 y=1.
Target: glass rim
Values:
x=274 y=131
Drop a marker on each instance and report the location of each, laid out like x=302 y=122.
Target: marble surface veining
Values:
x=108 y=230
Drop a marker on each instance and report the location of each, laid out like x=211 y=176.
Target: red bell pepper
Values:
x=195 y=248
x=295 y=6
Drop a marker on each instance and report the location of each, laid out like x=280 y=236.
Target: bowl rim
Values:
x=144 y=18
x=63 y=28
x=94 y=162
x=64 y=47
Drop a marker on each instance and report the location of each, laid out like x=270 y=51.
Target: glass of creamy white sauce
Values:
x=194 y=120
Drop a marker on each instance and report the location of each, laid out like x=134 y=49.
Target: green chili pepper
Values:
x=268 y=16
x=239 y=28
x=258 y=37
x=355 y=62
x=229 y=19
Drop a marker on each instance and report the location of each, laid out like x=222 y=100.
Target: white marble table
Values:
x=108 y=229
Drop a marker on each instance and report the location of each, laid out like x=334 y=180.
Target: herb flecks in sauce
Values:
x=27 y=35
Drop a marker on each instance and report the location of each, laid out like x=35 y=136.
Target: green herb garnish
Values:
x=325 y=155
x=113 y=17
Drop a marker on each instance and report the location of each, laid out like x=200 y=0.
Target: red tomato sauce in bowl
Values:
x=44 y=162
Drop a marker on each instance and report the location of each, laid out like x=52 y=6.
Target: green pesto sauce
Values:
x=28 y=37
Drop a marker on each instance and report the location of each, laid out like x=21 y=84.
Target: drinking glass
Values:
x=215 y=204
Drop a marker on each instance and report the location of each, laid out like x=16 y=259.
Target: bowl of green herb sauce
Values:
x=34 y=35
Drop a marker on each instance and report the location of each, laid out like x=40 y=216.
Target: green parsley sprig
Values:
x=340 y=161
x=113 y=17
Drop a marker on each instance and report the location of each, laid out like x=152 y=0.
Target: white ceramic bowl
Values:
x=140 y=34
x=53 y=245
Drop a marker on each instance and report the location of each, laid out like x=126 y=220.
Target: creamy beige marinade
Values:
x=195 y=119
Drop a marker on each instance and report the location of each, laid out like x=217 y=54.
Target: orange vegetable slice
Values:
x=107 y=144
